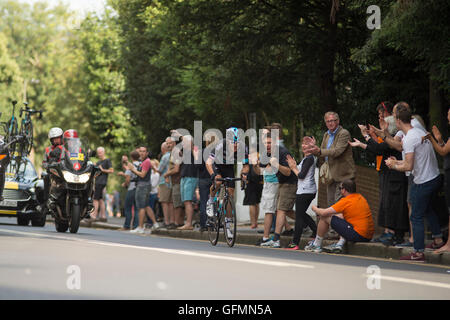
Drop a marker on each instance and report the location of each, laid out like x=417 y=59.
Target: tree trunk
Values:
x=327 y=57
x=266 y=119
x=436 y=113
x=294 y=133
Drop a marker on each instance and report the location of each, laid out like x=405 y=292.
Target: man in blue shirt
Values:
x=338 y=153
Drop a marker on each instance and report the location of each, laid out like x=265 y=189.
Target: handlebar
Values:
x=31 y=112
x=228 y=179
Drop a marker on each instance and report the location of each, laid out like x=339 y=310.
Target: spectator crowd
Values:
x=170 y=192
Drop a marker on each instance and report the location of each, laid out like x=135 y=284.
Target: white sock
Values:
x=341 y=242
x=318 y=241
x=265 y=239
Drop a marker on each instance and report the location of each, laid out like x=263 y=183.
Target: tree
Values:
x=10 y=79
x=420 y=32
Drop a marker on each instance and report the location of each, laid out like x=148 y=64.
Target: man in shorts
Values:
x=164 y=188
x=143 y=189
x=287 y=188
x=270 y=189
x=173 y=175
x=350 y=217
x=101 y=181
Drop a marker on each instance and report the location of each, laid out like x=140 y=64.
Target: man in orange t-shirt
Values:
x=350 y=217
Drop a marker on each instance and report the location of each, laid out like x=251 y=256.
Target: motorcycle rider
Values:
x=55 y=136
x=52 y=154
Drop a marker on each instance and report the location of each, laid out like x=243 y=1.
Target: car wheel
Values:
x=23 y=220
x=38 y=220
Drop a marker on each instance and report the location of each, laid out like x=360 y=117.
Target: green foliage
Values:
x=145 y=67
x=10 y=79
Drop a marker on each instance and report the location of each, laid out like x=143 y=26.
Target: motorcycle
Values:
x=73 y=177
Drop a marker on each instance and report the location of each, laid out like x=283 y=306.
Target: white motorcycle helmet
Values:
x=55 y=133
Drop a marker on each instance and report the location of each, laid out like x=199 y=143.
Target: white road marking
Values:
x=413 y=281
x=169 y=251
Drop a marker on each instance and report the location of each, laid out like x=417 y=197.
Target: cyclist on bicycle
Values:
x=221 y=161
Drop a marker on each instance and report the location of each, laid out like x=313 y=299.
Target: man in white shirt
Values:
x=396 y=142
x=421 y=160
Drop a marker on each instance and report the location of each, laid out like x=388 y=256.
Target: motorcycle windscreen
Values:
x=75 y=154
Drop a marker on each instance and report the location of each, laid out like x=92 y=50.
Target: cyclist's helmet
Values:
x=70 y=134
x=232 y=134
x=55 y=133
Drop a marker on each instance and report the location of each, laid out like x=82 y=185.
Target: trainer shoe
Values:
x=392 y=241
x=313 y=248
x=276 y=244
x=292 y=246
x=138 y=230
x=384 y=236
x=405 y=244
x=155 y=226
x=229 y=234
x=266 y=243
x=414 y=256
x=334 y=248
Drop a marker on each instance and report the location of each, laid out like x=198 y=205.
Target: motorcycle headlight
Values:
x=75 y=178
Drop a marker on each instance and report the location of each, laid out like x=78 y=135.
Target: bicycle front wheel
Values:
x=214 y=227
x=230 y=223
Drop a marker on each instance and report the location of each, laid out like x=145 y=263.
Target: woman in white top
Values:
x=306 y=192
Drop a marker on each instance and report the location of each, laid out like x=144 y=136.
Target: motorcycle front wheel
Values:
x=75 y=217
x=61 y=226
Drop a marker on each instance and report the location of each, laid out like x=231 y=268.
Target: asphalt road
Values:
x=39 y=263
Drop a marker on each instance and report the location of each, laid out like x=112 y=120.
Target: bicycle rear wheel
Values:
x=29 y=137
x=214 y=227
x=12 y=131
x=230 y=223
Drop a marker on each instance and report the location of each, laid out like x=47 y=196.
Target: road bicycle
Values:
x=11 y=129
x=19 y=149
x=26 y=131
x=224 y=214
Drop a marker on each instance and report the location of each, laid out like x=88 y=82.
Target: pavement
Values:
x=249 y=236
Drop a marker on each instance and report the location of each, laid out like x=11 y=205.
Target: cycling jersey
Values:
x=225 y=158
